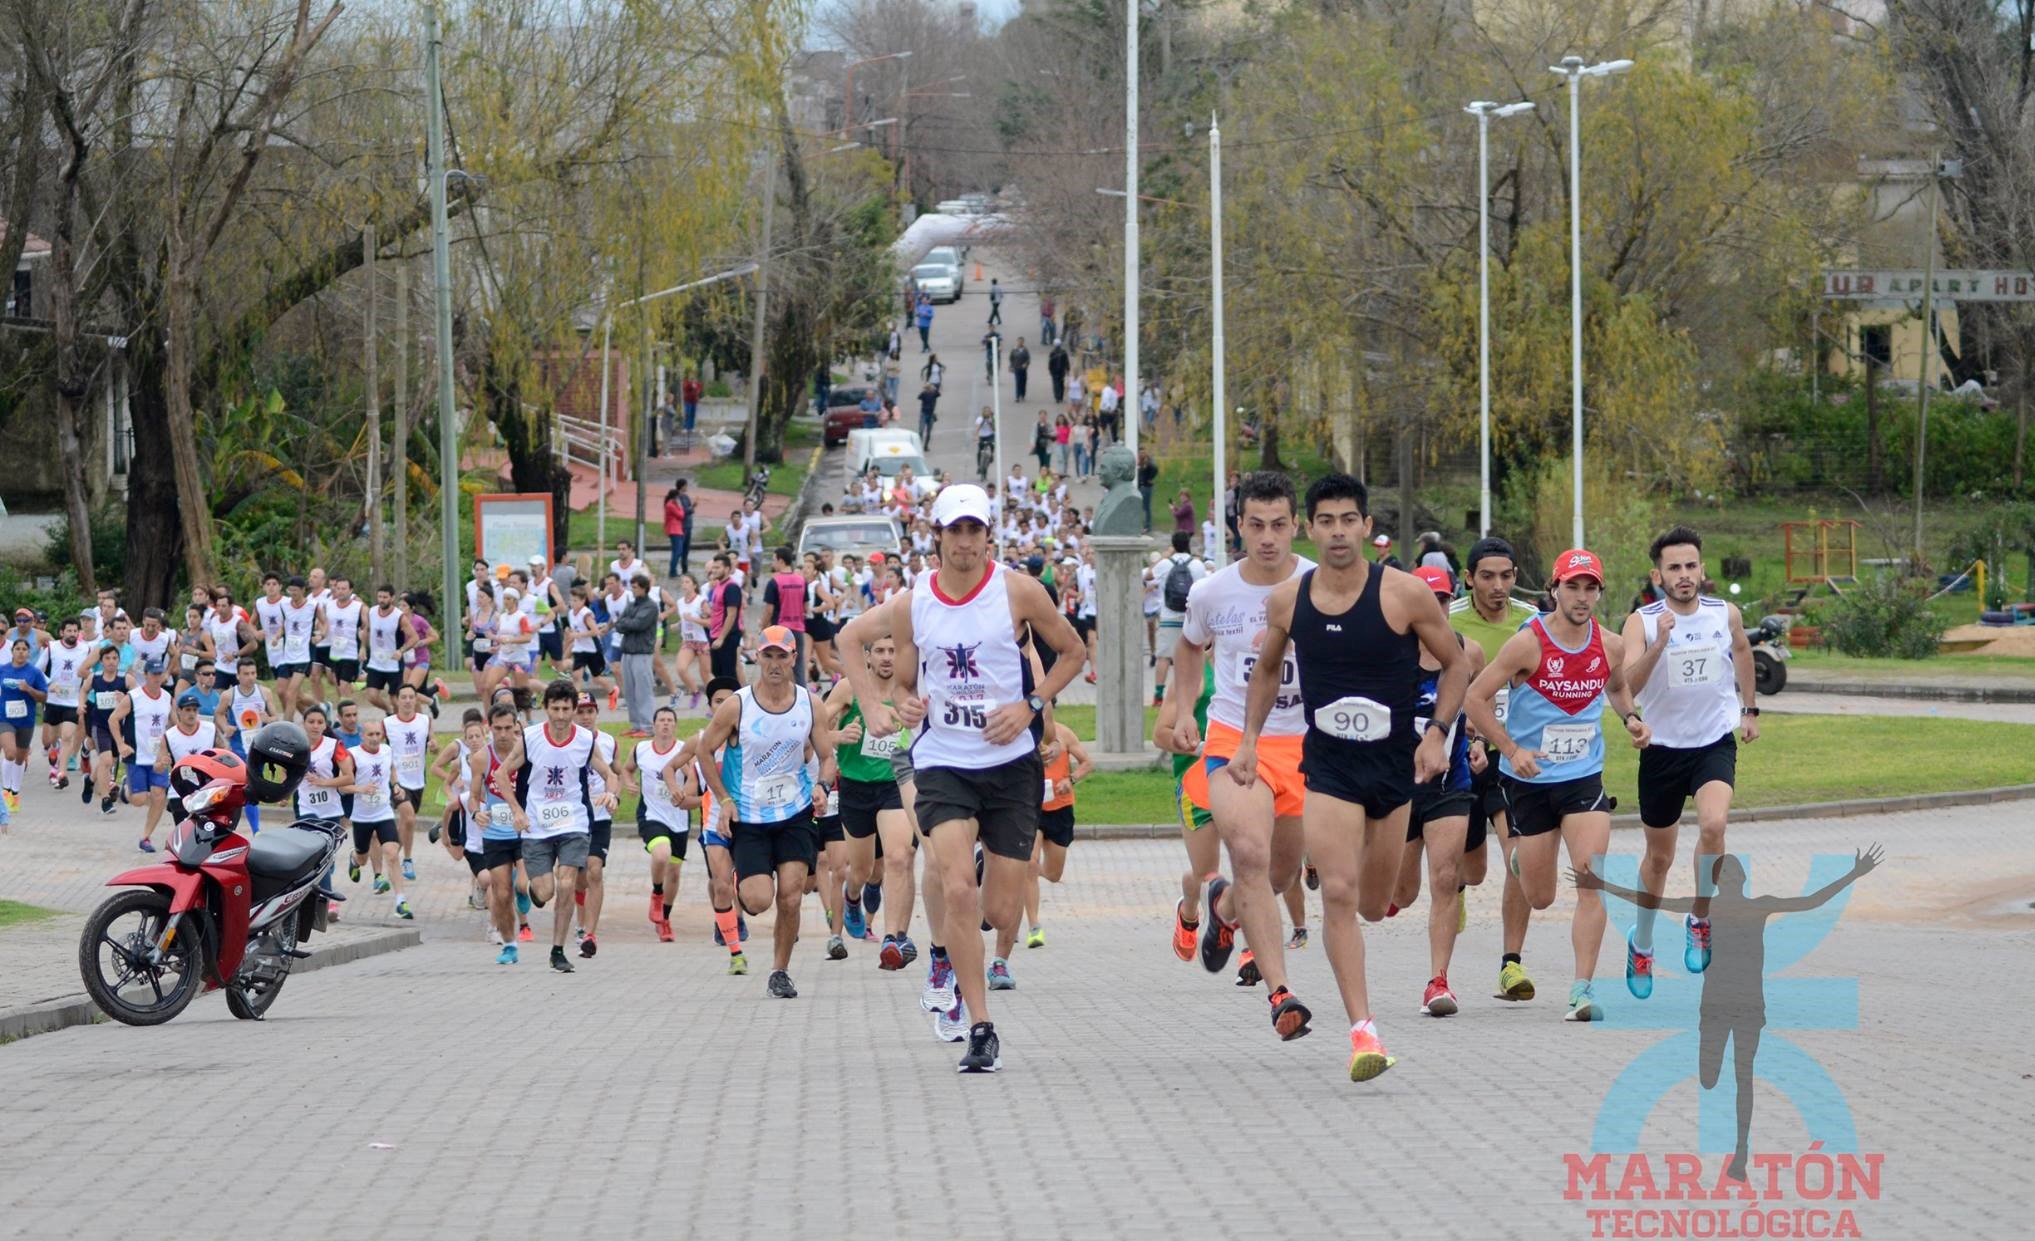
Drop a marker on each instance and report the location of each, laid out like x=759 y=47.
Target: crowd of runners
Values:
x=1337 y=725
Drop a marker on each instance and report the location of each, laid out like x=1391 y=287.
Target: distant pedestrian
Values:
x=1183 y=513
x=674 y=527
x=924 y=319
x=1042 y=442
x=1148 y=478
x=995 y=301
x=1047 y=333
x=689 y=393
x=932 y=372
x=1020 y=362
x=1057 y=366
x=929 y=398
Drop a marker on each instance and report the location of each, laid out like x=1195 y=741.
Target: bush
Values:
x=109 y=542
x=1620 y=519
x=1883 y=616
x=17 y=591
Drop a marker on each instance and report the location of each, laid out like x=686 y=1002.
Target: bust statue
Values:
x=1122 y=510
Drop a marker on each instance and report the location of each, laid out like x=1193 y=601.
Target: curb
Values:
x=46 y=1016
x=1804 y=810
x=1922 y=692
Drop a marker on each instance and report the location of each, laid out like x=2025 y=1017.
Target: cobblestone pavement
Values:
x=651 y=1095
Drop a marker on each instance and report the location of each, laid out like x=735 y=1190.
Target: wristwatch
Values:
x=1432 y=725
x=1748 y=710
x=1036 y=703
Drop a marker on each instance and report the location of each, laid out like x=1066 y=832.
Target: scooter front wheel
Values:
x=126 y=971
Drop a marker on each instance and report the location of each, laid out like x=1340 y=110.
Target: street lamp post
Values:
x=848 y=87
x=441 y=279
x=1573 y=68
x=1484 y=110
x=1130 y=228
x=1219 y=378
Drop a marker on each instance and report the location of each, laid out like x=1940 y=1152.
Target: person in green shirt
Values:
x=1204 y=848
x=1488 y=615
x=873 y=816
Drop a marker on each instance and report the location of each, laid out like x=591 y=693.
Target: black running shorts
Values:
x=861 y=800
x=1432 y=802
x=1003 y=801
x=760 y=848
x=1668 y=777
x=1057 y=826
x=1376 y=776
x=1534 y=809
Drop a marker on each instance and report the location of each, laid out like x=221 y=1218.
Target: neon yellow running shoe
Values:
x=1037 y=939
x=1462 y=911
x=738 y=964
x=1513 y=984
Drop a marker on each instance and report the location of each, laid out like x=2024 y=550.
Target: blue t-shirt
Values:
x=208 y=700
x=16 y=707
x=347 y=739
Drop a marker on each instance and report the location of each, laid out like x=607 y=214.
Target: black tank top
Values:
x=1354 y=655
x=95 y=715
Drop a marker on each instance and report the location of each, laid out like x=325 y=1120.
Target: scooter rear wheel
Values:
x=121 y=971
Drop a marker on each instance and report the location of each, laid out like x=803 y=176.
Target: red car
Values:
x=844 y=412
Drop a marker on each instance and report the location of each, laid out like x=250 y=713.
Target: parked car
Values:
x=949 y=255
x=861 y=535
x=938 y=281
x=844 y=412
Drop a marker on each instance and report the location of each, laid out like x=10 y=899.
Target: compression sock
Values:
x=731 y=930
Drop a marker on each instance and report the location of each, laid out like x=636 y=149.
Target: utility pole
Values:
x=399 y=456
x=1219 y=380
x=1127 y=409
x=649 y=387
x=762 y=298
x=1928 y=346
x=376 y=563
x=441 y=274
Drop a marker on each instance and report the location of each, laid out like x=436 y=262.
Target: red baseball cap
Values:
x=1437 y=579
x=777 y=637
x=1578 y=562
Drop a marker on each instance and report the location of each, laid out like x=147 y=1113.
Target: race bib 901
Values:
x=1355 y=719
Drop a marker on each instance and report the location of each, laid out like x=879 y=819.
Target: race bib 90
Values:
x=1565 y=743
x=1355 y=719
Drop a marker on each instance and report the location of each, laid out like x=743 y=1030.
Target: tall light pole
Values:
x=1219 y=377
x=1939 y=168
x=1484 y=110
x=1573 y=68
x=1130 y=230
x=848 y=87
x=441 y=272
x=762 y=294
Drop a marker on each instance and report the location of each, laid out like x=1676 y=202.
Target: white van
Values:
x=888 y=449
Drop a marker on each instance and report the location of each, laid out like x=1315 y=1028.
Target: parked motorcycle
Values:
x=1770 y=654
x=221 y=911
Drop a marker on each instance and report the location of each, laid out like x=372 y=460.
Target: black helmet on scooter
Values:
x=278 y=755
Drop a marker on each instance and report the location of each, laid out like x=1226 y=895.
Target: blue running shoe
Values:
x=522 y=904
x=872 y=897
x=508 y=956
x=908 y=949
x=1638 y=970
x=852 y=921
x=1696 y=952
x=999 y=976
x=938 y=995
x=409 y=870
x=742 y=927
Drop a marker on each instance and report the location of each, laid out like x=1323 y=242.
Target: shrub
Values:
x=1884 y=616
x=1620 y=519
x=109 y=542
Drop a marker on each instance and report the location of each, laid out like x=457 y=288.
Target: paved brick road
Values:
x=650 y=1095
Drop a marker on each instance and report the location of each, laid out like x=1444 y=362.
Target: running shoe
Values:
x=1696 y=952
x=985 y=1053
x=720 y=941
x=105 y=805
x=1289 y=1016
x=780 y=986
x=1299 y=939
x=409 y=870
x=1513 y=984
x=852 y=921
x=507 y=956
x=1438 y=1000
x=908 y=948
x=1583 y=1003
x=403 y=908
x=664 y=932
x=522 y=904
x=353 y=872
x=741 y=928
x=13 y=800
x=1638 y=970
x=1217 y=940
x=1037 y=939
x=657 y=906
x=837 y=948
x=558 y=961
x=524 y=933
x=147 y=846
x=738 y=964
x=872 y=898
x=892 y=955
x=381 y=884
x=614 y=698
x=1313 y=878
x=1185 y=933
x=589 y=946
x=950 y=1024
x=474 y=900
x=939 y=993
x=1367 y=1056
x=999 y=976
x=1247 y=970
x=436 y=828
x=494 y=937
x=1462 y=911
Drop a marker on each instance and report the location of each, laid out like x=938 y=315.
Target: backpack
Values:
x=1179 y=580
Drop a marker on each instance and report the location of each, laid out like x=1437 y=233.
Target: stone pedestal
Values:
x=1122 y=681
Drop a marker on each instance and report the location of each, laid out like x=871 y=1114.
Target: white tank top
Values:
x=372 y=771
x=583 y=620
x=658 y=807
x=182 y=745
x=1691 y=697
x=146 y=648
x=384 y=638
x=151 y=721
x=604 y=745
x=66 y=668
x=765 y=769
x=225 y=633
x=969 y=665
x=412 y=743
x=1231 y=611
x=556 y=799
x=342 y=629
x=320 y=801
x=248 y=710
x=297 y=623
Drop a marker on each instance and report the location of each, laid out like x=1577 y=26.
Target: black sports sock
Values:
x=657 y=889
x=1510 y=958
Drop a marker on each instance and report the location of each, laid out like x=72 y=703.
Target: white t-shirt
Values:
x=1196 y=570
x=1231 y=611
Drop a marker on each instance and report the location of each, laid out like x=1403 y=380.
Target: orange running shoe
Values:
x=1186 y=935
x=1247 y=970
x=1289 y=1016
x=1367 y=1056
x=664 y=932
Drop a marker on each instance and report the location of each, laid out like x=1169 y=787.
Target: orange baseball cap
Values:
x=779 y=637
x=1579 y=562
x=1437 y=579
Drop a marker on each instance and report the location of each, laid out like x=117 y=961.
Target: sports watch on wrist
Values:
x=1036 y=703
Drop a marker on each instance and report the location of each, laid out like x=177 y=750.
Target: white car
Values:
x=938 y=281
x=860 y=535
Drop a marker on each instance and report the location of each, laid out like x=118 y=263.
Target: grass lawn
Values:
x=14 y=913
x=786 y=478
x=1988 y=667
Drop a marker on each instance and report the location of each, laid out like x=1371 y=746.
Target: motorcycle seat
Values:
x=287 y=852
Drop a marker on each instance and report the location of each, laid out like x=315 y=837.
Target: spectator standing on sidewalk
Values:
x=1148 y=478
x=638 y=627
x=674 y=527
x=1047 y=333
x=1020 y=362
x=689 y=393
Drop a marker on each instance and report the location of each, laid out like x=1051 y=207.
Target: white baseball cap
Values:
x=960 y=502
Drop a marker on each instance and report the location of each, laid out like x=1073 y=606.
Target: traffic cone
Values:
x=978 y=269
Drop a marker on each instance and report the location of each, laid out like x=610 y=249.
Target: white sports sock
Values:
x=1364 y=1026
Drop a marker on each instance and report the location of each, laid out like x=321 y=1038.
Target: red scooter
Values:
x=221 y=911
